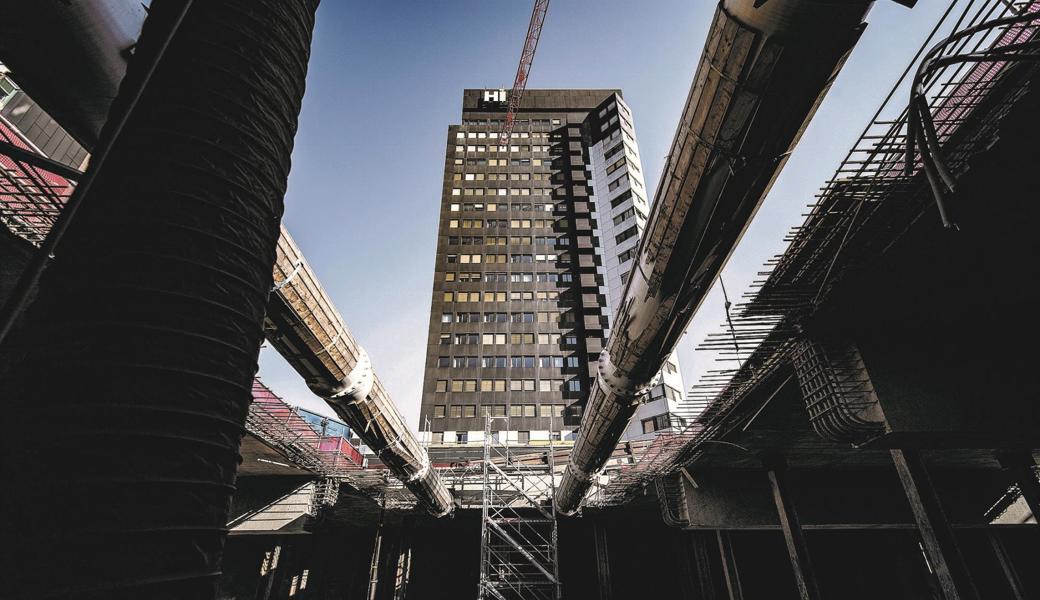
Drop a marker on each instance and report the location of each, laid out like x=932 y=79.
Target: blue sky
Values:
x=386 y=80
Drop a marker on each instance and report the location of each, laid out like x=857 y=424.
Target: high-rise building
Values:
x=536 y=239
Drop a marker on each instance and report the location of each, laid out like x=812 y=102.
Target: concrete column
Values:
x=1014 y=583
x=377 y=550
x=696 y=553
x=1022 y=469
x=729 y=565
x=599 y=535
x=797 y=548
x=940 y=544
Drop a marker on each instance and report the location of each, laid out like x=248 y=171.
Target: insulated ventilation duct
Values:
x=305 y=328
x=124 y=410
x=88 y=44
x=765 y=68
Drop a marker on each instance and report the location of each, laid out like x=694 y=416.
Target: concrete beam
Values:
x=830 y=499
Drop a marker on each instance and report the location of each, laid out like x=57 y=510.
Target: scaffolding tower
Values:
x=518 y=554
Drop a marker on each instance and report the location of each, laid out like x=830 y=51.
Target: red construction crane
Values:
x=534 y=31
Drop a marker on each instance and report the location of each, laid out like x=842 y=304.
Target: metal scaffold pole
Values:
x=518 y=553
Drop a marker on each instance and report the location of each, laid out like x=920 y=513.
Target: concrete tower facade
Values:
x=535 y=239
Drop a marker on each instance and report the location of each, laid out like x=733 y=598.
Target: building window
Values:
x=574 y=385
x=498 y=410
x=437 y=437
x=656 y=423
x=463 y=385
x=442 y=385
x=523 y=437
x=516 y=410
x=529 y=410
x=629 y=233
x=469 y=410
x=545 y=411
x=438 y=411
x=461 y=437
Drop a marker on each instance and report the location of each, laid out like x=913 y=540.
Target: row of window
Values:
x=517 y=122
x=609 y=154
x=503 y=206
x=623 y=196
x=504 y=177
x=627 y=255
x=502 y=362
x=499 y=277
x=478 y=161
x=656 y=423
x=499 y=410
x=517 y=135
x=515 y=192
x=511 y=296
x=502 y=192
x=556 y=224
x=504 y=317
x=499 y=339
x=629 y=233
x=476 y=259
x=504 y=147
x=613 y=185
x=618 y=134
x=462 y=437
x=665 y=391
x=510 y=147
x=627 y=214
x=511 y=385
x=516 y=240
x=614 y=166
x=513 y=162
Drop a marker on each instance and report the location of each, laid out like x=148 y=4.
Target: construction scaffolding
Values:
x=31 y=196
x=518 y=544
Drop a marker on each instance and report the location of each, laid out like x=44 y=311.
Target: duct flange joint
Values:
x=358 y=384
x=614 y=382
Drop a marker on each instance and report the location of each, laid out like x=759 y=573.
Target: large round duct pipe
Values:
x=124 y=413
x=766 y=66
x=88 y=43
x=305 y=327
x=71 y=55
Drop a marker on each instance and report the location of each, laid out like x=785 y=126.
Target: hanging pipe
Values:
x=765 y=68
x=125 y=406
x=305 y=327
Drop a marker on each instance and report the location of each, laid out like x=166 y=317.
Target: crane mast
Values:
x=534 y=31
